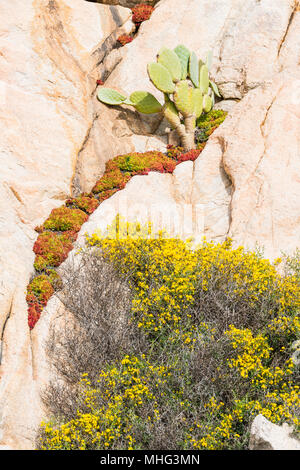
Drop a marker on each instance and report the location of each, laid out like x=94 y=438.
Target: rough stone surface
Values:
x=235 y=30
x=226 y=105
x=48 y=53
x=56 y=138
x=265 y=435
x=248 y=175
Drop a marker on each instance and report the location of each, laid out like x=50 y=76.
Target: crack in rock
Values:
x=296 y=7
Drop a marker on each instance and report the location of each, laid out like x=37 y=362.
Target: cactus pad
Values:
x=204 y=80
x=213 y=100
x=214 y=88
x=170 y=60
x=184 y=56
x=161 y=77
x=145 y=102
x=207 y=103
x=128 y=102
x=109 y=96
x=171 y=114
x=183 y=98
x=194 y=69
x=198 y=102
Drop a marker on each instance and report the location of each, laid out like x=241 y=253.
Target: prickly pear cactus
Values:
x=170 y=60
x=171 y=114
x=198 y=102
x=145 y=103
x=187 y=88
x=184 y=56
x=204 y=79
x=161 y=77
x=194 y=69
x=109 y=96
x=207 y=103
x=184 y=99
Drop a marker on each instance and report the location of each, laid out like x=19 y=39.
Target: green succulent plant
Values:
x=188 y=91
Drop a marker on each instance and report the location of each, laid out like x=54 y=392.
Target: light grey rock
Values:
x=226 y=105
x=265 y=435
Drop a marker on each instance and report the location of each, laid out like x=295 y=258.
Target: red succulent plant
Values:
x=141 y=12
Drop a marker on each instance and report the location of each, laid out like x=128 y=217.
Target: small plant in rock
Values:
x=65 y=218
x=83 y=202
x=124 y=39
x=188 y=92
x=207 y=124
x=141 y=12
x=39 y=292
x=52 y=248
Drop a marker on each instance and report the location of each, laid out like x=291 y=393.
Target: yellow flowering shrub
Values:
x=270 y=390
x=121 y=393
x=162 y=272
x=221 y=331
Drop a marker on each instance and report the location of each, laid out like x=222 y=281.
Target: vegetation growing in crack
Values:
x=140 y=13
x=172 y=347
x=125 y=39
x=188 y=92
x=59 y=232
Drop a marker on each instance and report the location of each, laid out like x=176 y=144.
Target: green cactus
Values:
x=161 y=77
x=207 y=103
x=188 y=91
x=198 y=100
x=183 y=98
x=109 y=96
x=215 y=89
x=144 y=102
x=204 y=79
x=171 y=114
x=184 y=56
x=194 y=69
x=170 y=60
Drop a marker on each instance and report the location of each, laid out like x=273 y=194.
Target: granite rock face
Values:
x=56 y=138
x=49 y=52
x=258 y=149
